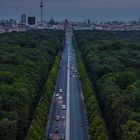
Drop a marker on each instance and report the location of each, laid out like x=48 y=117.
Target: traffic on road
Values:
x=67 y=120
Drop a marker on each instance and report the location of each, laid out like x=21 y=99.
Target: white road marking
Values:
x=68 y=97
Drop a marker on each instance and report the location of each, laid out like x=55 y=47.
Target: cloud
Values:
x=72 y=9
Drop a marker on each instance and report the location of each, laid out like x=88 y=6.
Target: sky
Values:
x=74 y=10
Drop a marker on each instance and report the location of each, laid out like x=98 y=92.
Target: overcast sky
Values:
x=99 y=10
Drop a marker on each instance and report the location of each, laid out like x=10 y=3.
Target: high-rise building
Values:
x=12 y=22
x=31 y=20
x=66 y=23
x=23 y=19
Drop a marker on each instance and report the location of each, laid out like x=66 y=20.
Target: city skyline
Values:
x=75 y=10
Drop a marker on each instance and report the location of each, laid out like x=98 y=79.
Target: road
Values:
x=73 y=127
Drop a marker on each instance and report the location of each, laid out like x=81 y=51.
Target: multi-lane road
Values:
x=67 y=120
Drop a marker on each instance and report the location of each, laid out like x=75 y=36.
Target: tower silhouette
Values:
x=41 y=6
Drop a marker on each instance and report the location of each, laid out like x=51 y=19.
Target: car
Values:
x=60 y=98
x=62 y=137
x=57 y=95
x=50 y=136
x=63 y=116
x=60 y=90
x=56 y=129
x=57 y=118
x=63 y=107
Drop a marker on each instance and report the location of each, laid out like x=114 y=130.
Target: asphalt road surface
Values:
x=69 y=122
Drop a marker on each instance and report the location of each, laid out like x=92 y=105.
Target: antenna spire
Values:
x=41 y=6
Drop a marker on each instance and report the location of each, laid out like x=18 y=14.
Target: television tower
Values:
x=41 y=6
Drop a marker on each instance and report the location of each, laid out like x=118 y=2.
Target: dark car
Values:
x=50 y=136
x=62 y=137
x=56 y=129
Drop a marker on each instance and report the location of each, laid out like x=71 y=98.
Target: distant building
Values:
x=52 y=22
x=2 y=30
x=23 y=19
x=12 y=22
x=9 y=23
x=31 y=20
x=4 y=22
x=88 y=22
x=66 y=23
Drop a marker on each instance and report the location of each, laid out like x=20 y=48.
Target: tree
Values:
x=131 y=130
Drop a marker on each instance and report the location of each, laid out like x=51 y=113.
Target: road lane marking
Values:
x=68 y=98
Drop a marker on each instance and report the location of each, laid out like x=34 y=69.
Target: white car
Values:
x=63 y=116
x=60 y=90
x=56 y=95
x=60 y=98
x=76 y=76
x=63 y=107
x=57 y=118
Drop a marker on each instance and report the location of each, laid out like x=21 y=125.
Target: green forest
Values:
x=97 y=127
x=112 y=60
x=25 y=62
x=37 y=131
